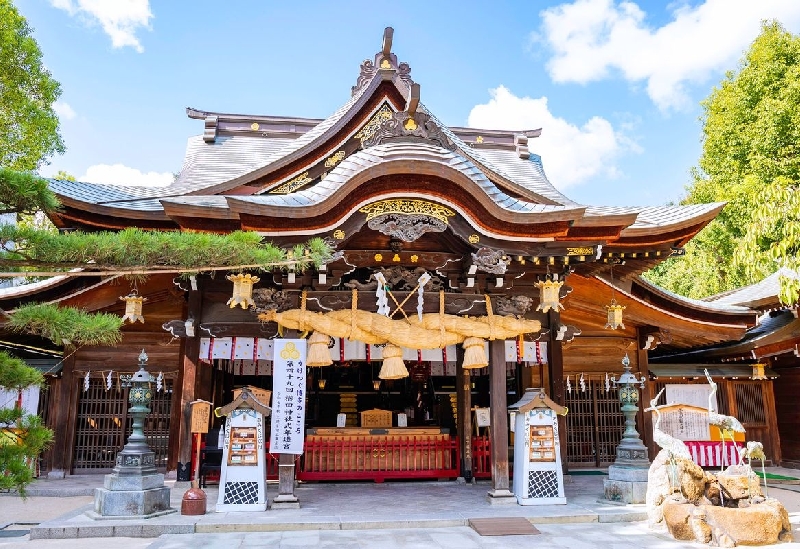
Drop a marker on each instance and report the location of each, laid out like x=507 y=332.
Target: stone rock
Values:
x=700 y=527
x=736 y=485
x=755 y=525
x=676 y=516
x=666 y=477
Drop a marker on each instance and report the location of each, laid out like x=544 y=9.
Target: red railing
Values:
x=482 y=458
x=378 y=459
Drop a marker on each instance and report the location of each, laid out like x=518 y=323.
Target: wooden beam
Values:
x=187 y=384
x=555 y=364
x=464 y=407
x=62 y=426
x=498 y=431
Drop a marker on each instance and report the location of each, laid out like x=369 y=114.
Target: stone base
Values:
x=623 y=491
x=285 y=501
x=56 y=474
x=500 y=497
x=134 y=483
x=131 y=503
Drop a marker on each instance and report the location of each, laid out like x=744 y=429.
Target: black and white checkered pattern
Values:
x=542 y=484
x=241 y=493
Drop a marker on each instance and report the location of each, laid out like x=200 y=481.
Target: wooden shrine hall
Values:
x=442 y=237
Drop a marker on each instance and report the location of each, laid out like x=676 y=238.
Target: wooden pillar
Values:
x=464 y=407
x=645 y=420
x=187 y=383
x=286 y=499
x=498 y=430
x=63 y=422
x=555 y=364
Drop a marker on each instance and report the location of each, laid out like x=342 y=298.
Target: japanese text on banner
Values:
x=289 y=396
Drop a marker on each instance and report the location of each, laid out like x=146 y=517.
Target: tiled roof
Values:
x=394 y=150
x=693 y=303
x=527 y=173
x=766 y=289
x=665 y=216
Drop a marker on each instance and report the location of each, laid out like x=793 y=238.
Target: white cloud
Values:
x=118 y=174
x=120 y=19
x=570 y=154
x=63 y=110
x=589 y=39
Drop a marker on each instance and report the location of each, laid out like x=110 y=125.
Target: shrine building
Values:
x=454 y=235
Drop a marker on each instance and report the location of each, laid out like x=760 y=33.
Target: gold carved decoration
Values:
x=479 y=139
x=334 y=159
x=410 y=125
x=584 y=250
x=407 y=206
x=374 y=124
x=474 y=239
x=293 y=185
x=254 y=126
x=414 y=258
x=396 y=257
x=338 y=234
x=385 y=64
x=378 y=257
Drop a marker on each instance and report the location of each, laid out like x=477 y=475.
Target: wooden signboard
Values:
x=243 y=449
x=482 y=417
x=263 y=395
x=201 y=413
x=376 y=418
x=685 y=422
x=542 y=446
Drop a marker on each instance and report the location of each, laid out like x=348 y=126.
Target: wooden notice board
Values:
x=542 y=446
x=243 y=449
x=201 y=413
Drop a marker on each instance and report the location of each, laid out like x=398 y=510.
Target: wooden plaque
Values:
x=201 y=413
x=376 y=418
x=542 y=443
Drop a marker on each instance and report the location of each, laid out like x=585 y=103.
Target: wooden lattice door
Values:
x=594 y=424
x=103 y=425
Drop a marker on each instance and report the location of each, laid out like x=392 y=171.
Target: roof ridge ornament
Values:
x=384 y=60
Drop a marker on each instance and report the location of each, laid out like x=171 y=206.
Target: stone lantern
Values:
x=627 y=477
x=135 y=487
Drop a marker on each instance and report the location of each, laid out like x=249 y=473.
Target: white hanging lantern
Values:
x=549 y=289
x=133 y=307
x=242 y=290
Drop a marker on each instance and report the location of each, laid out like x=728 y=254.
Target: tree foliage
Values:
x=22 y=436
x=28 y=124
x=751 y=140
x=24 y=193
x=66 y=325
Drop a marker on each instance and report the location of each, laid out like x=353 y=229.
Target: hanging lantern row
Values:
x=133 y=307
x=549 y=289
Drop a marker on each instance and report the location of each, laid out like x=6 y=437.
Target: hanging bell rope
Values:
x=475 y=353
x=318 y=354
x=393 y=366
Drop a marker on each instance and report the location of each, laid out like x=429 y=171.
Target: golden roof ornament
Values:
x=242 y=290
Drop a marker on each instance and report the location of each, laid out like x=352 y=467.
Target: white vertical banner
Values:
x=288 y=397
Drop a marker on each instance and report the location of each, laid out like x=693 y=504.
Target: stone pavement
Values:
x=390 y=515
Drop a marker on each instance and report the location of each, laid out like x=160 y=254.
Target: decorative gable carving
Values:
x=403 y=125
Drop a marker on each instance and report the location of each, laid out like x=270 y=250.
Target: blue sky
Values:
x=615 y=86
